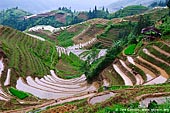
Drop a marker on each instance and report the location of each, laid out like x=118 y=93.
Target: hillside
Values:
x=117 y=5
x=135 y=76
x=63 y=16
x=105 y=31
x=20 y=47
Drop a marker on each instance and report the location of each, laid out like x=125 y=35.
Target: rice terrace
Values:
x=113 y=57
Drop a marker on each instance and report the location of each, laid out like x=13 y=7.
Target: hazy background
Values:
x=37 y=6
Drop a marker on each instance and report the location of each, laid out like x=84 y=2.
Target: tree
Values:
x=90 y=14
x=107 y=11
x=95 y=9
x=59 y=8
x=152 y=105
x=103 y=8
x=168 y=5
x=93 y=54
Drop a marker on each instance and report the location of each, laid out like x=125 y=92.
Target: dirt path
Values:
x=34 y=36
x=127 y=81
x=161 y=51
x=163 y=73
x=84 y=31
x=50 y=103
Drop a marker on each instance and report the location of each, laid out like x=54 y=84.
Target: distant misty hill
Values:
x=39 y=6
x=33 y=6
x=123 y=3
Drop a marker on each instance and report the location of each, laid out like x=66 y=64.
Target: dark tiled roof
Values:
x=150 y=28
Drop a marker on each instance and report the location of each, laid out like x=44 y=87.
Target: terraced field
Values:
x=88 y=34
x=149 y=66
x=53 y=87
x=26 y=66
x=26 y=54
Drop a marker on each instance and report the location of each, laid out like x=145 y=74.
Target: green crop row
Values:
x=28 y=56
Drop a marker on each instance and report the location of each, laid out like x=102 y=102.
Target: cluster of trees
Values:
x=95 y=13
x=168 y=5
x=65 y=9
x=158 y=3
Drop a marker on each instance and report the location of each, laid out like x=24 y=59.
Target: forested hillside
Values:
x=22 y=20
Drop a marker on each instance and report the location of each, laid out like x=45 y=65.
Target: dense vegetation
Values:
x=158 y=4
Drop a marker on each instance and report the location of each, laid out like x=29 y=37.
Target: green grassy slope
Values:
x=27 y=56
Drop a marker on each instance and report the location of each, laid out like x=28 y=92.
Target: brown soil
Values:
x=61 y=18
x=75 y=28
x=88 y=34
x=83 y=16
